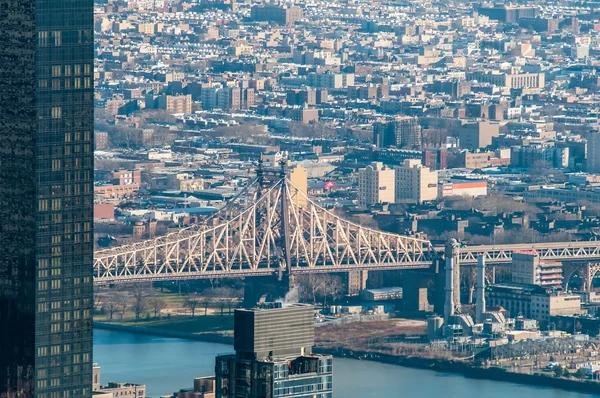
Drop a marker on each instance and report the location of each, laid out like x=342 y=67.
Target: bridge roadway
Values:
x=494 y=254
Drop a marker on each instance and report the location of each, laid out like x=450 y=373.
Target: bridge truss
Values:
x=282 y=231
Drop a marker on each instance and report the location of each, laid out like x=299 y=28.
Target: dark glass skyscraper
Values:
x=46 y=198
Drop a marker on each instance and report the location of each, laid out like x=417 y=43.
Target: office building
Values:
x=46 y=191
x=273 y=356
x=415 y=183
x=402 y=132
x=509 y=80
x=376 y=184
x=528 y=267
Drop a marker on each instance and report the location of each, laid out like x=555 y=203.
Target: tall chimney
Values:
x=480 y=305
x=449 y=303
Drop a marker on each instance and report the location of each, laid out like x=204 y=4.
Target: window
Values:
x=56 y=112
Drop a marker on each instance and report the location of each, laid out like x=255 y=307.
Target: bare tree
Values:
x=140 y=298
x=192 y=302
x=230 y=297
x=206 y=300
x=122 y=302
x=111 y=304
x=332 y=287
x=221 y=298
x=157 y=304
x=310 y=286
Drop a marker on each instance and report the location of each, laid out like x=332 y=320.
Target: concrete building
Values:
x=330 y=80
x=415 y=183
x=273 y=356
x=114 y=390
x=529 y=155
x=376 y=184
x=593 y=152
x=508 y=80
x=478 y=134
x=529 y=268
x=532 y=301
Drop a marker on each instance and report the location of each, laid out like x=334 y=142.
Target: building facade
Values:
x=273 y=356
x=528 y=267
x=593 y=152
x=376 y=184
x=415 y=183
x=532 y=301
x=402 y=132
x=46 y=191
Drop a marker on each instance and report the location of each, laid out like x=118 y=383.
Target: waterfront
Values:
x=167 y=364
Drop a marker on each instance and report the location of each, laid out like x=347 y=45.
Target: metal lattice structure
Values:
x=558 y=251
x=282 y=231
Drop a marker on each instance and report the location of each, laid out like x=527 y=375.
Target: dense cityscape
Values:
x=230 y=199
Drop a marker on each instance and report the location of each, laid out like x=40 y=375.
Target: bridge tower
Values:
x=452 y=285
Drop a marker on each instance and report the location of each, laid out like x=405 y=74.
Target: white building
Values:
x=376 y=184
x=415 y=183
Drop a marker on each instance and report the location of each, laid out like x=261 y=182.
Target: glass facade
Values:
x=46 y=198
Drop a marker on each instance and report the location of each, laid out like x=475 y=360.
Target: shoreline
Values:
x=439 y=365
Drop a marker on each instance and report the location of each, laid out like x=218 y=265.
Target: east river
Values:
x=166 y=365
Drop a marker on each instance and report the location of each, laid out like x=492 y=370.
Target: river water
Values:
x=166 y=365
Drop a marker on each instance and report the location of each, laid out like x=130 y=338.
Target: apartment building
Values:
x=415 y=183
x=376 y=184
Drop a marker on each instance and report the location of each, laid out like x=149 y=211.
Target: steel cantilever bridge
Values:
x=282 y=230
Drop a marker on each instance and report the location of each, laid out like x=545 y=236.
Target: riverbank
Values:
x=448 y=366
x=467 y=370
x=209 y=337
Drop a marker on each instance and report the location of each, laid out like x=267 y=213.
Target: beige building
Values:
x=509 y=80
x=299 y=179
x=532 y=301
x=114 y=390
x=478 y=134
x=376 y=184
x=175 y=103
x=415 y=183
x=528 y=267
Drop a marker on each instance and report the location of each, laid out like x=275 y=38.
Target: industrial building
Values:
x=273 y=356
x=533 y=301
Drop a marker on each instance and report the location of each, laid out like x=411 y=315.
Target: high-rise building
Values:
x=593 y=152
x=376 y=184
x=415 y=183
x=273 y=356
x=478 y=134
x=46 y=191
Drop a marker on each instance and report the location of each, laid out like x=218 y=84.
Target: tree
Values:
x=310 y=286
x=122 y=302
x=206 y=300
x=231 y=297
x=192 y=302
x=558 y=371
x=332 y=287
x=566 y=373
x=580 y=373
x=157 y=304
x=221 y=297
x=111 y=304
x=140 y=298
